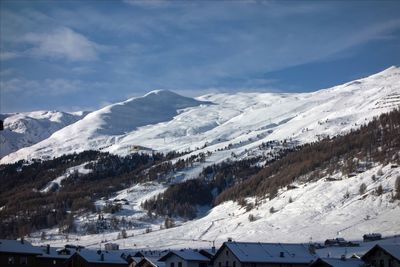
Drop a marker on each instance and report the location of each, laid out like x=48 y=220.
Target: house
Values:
x=185 y=258
x=18 y=253
x=334 y=262
x=53 y=257
x=148 y=258
x=247 y=254
x=144 y=258
x=150 y=262
x=372 y=237
x=336 y=242
x=93 y=258
x=209 y=253
x=111 y=246
x=383 y=255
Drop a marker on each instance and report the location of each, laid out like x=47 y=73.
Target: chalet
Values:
x=150 y=262
x=246 y=254
x=92 y=258
x=372 y=237
x=383 y=255
x=53 y=257
x=209 y=253
x=185 y=258
x=145 y=258
x=333 y=262
x=111 y=246
x=336 y=242
x=18 y=253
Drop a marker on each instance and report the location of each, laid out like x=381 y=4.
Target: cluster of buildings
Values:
x=231 y=254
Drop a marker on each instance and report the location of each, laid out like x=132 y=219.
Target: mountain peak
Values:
x=160 y=92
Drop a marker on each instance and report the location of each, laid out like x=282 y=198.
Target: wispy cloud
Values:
x=62 y=43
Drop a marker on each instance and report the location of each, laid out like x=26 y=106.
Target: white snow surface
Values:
x=28 y=128
x=56 y=183
x=165 y=121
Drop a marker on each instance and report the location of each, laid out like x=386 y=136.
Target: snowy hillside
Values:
x=28 y=128
x=165 y=121
x=316 y=210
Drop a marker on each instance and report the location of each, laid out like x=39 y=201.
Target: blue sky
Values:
x=82 y=55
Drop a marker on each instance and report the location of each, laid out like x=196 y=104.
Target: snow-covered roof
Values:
x=334 y=262
x=392 y=249
x=56 y=253
x=209 y=251
x=154 y=260
x=270 y=252
x=94 y=256
x=17 y=246
x=186 y=254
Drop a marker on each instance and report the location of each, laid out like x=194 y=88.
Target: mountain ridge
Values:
x=232 y=118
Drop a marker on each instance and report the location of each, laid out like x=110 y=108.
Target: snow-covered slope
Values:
x=312 y=211
x=165 y=121
x=28 y=128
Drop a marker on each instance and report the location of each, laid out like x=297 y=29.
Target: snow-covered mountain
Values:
x=233 y=126
x=28 y=128
x=165 y=121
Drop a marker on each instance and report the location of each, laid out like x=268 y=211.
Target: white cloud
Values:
x=62 y=43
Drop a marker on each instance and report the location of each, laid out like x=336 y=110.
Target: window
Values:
x=374 y=263
x=234 y=264
x=390 y=263
x=172 y=264
x=219 y=264
x=227 y=252
x=23 y=260
x=381 y=263
x=226 y=264
x=11 y=260
x=54 y=262
x=179 y=264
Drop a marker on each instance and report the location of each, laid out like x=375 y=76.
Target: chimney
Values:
x=282 y=254
x=48 y=249
x=213 y=249
x=22 y=240
x=229 y=239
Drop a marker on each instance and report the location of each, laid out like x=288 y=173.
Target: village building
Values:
x=53 y=257
x=209 y=253
x=18 y=253
x=185 y=258
x=144 y=258
x=334 y=262
x=372 y=237
x=247 y=254
x=383 y=255
x=93 y=258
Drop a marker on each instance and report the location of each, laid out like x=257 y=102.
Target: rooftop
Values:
x=18 y=246
x=270 y=252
